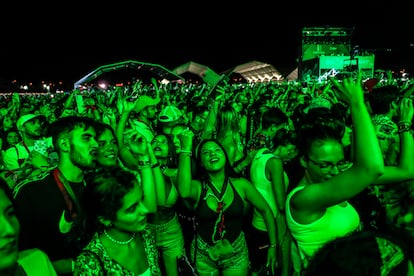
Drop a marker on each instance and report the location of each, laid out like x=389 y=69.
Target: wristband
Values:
x=144 y=163
x=144 y=167
x=155 y=165
x=404 y=127
x=188 y=152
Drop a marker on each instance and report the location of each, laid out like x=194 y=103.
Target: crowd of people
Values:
x=278 y=178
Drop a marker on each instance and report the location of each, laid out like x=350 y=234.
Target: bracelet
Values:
x=268 y=246
x=155 y=165
x=144 y=167
x=404 y=127
x=143 y=163
x=188 y=152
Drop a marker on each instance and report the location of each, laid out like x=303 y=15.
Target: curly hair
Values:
x=102 y=198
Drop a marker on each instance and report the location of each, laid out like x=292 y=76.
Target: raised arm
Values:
x=159 y=179
x=186 y=185
x=368 y=164
x=136 y=156
x=405 y=169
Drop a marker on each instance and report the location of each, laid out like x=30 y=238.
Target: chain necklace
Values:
x=120 y=242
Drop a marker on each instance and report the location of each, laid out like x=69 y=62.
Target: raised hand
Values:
x=186 y=138
x=349 y=90
x=406 y=110
x=138 y=144
x=129 y=103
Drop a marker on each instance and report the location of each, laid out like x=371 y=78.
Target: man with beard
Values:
x=31 y=152
x=48 y=203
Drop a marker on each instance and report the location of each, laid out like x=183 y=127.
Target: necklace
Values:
x=216 y=194
x=119 y=242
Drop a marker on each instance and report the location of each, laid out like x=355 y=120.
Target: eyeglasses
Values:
x=342 y=165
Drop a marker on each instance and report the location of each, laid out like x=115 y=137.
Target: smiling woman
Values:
x=12 y=261
x=114 y=227
x=220 y=199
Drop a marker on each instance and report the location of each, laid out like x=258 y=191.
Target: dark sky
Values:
x=61 y=47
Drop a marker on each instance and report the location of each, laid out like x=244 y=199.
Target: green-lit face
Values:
x=212 y=156
x=200 y=120
x=160 y=146
x=132 y=215
x=83 y=148
x=107 y=154
x=33 y=127
x=175 y=132
x=286 y=152
x=325 y=160
x=7 y=122
x=9 y=231
x=13 y=138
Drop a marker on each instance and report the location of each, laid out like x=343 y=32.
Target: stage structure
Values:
x=130 y=70
x=257 y=71
x=327 y=51
x=325 y=41
x=325 y=66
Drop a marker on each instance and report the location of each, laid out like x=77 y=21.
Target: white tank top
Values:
x=338 y=221
x=263 y=185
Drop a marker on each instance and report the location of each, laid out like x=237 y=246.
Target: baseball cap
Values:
x=169 y=113
x=28 y=117
x=145 y=101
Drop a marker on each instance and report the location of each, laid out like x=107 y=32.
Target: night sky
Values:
x=65 y=48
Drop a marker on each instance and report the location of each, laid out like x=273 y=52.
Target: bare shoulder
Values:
x=274 y=161
x=242 y=184
x=240 y=181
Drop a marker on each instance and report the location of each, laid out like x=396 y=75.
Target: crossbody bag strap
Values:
x=67 y=192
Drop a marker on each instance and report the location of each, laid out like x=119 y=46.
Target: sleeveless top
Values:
x=263 y=185
x=207 y=218
x=338 y=221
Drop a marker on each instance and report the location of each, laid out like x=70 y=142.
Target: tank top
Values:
x=338 y=221
x=263 y=185
x=207 y=218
